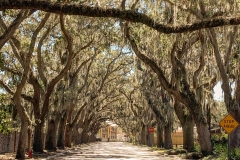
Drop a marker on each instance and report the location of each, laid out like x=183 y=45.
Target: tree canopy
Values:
x=78 y=8
x=72 y=65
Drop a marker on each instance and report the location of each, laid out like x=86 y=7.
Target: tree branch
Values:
x=13 y=26
x=128 y=15
x=39 y=58
x=5 y=86
x=201 y=60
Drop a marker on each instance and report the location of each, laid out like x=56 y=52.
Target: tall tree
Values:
x=185 y=95
x=24 y=62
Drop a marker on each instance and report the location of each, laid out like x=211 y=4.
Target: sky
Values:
x=218 y=93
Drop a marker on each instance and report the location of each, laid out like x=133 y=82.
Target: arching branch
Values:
x=128 y=15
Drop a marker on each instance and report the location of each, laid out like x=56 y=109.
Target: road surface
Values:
x=113 y=151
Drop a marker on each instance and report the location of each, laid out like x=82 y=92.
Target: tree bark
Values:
x=228 y=99
x=38 y=138
x=29 y=138
x=160 y=143
x=80 y=125
x=235 y=138
x=24 y=119
x=84 y=137
x=187 y=124
x=143 y=135
x=151 y=139
x=168 y=136
x=61 y=132
x=128 y=15
x=68 y=136
x=234 y=135
x=188 y=135
x=79 y=139
x=68 y=130
x=93 y=138
x=186 y=96
x=75 y=134
x=51 y=136
x=203 y=136
x=21 y=149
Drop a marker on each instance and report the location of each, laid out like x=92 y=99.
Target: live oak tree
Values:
x=226 y=55
x=37 y=97
x=179 y=17
x=66 y=99
x=228 y=72
x=160 y=103
x=147 y=101
x=213 y=20
x=183 y=92
x=105 y=74
x=148 y=61
x=75 y=81
x=23 y=55
x=49 y=85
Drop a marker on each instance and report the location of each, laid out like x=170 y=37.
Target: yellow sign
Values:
x=229 y=123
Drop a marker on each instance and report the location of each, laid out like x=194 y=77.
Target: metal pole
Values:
x=228 y=149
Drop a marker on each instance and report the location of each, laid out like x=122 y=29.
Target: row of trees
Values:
x=60 y=78
x=66 y=70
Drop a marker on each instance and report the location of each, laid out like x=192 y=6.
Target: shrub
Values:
x=5 y=114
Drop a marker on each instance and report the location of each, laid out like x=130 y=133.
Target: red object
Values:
x=151 y=129
x=30 y=153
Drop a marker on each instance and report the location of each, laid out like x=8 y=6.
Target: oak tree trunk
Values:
x=79 y=132
x=234 y=135
x=188 y=135
x=51 y=136
x=84 y=137
x=61 y=133
x=151 y=139
x=148 y=136
x=29 y=138
x=68 y=136
x=186 y=96
x=21 y=149
x=187 y=124
x=143 y=135
x=159 y=135
x=75 y=134
x=203 y=137
x=168 y=136
x=79 y=139
x=38 y=138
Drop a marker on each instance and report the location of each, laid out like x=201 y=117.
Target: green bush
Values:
x=5 y=114
x=220 y=147
x=197 y=147
x=234 y=154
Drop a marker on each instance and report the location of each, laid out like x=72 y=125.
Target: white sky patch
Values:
x=218 y=92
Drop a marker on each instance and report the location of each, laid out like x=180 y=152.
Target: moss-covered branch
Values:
x=129 y=15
